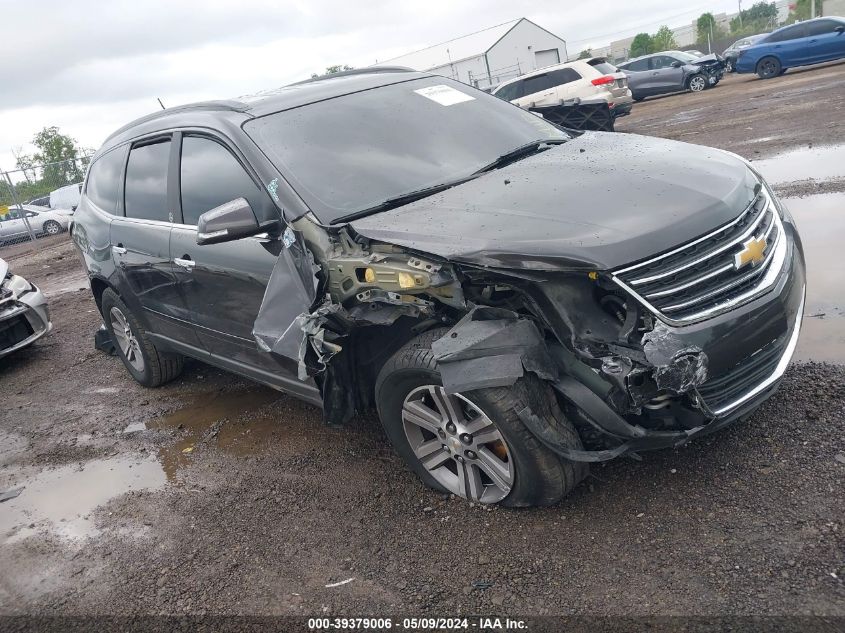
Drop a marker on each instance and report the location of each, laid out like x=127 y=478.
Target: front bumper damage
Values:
x=24 y=316
x=634 y=383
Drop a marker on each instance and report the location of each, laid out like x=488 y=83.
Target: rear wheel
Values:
x=473 y=444
x=51 y=227
x=144 y=361
x=769 y=67
x=697 y=83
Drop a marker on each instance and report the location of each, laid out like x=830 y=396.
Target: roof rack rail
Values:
x=357 y=71
x=210 y=106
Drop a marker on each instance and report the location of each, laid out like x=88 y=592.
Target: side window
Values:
x=211 y=176
x=145 y=192
x=821 y=27
x=792 y=33
x=563 y=76
x=104 y=180
x=659 y=62
x=639 y=65
x=537 y=83
x=508 y=93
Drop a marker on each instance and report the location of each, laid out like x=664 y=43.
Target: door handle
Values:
x=118 y=250
x=185 y=262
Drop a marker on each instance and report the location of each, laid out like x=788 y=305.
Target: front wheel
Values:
x=51 y=227
x=769 y=67
x=473 y=444
x=729 y=66
x=697 y=83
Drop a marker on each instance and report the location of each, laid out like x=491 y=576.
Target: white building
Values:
x=490 y=56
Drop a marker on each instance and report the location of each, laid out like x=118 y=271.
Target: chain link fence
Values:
x=39 y=199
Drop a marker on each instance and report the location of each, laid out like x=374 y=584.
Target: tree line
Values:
x=58 y=160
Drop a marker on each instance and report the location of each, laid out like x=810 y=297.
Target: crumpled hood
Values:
x=599 y=201
x=707 y=60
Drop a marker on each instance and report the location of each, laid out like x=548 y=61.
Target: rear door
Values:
x=223 y=284
x=639 y=77
x=789 y=45
x=140 y=242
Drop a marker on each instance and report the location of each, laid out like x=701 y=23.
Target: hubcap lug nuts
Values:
x=471 y=454
x=451 y=427
x=466 y=438
x=459 y=458
x=441 y=433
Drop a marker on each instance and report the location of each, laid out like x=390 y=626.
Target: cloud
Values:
x=89 y=66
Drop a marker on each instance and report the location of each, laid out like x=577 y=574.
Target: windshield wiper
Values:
x=405 y=198
x=523 y=151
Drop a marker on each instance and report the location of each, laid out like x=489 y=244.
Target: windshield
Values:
x=683 y=56
x=354 y=152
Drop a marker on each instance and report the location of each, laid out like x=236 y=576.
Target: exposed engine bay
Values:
x=369 y=298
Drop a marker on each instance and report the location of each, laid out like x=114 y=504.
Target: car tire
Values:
x=729 y=67
x=51 y=227
x=535 y=476
x=144 y=361
x=697 y=83
x=769 y=67
x=637 y=98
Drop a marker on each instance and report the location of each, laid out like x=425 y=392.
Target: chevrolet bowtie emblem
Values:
x=752 y=252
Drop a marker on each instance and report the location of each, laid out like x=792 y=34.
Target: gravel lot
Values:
x=212 y=495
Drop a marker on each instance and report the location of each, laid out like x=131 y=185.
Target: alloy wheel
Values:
x=126 y=339
x=52 y=228
x=769 y=68
x=458 y=444
x=697 y=84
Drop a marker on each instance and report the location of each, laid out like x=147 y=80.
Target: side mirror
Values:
x=230 y=221
x=839 y=29
x=676 y=64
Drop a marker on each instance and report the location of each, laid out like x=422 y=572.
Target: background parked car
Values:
x=732 y=52
x=43 y=222
x=24 y=317
x=671 y=71
x=43 y=201
x=587 y=79
x=810 y=42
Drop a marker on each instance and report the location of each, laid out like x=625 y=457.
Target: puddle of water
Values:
x=217 y=418
x=821 y=163
x=821 y=223
x=63 y=498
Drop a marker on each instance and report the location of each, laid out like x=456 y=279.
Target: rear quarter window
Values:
x=104 y=180
x=563 y=76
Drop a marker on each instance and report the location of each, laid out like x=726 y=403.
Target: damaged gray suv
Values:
x=513 y=300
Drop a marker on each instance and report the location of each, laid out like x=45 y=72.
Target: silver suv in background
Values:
x=671 y=71
x=589 y=80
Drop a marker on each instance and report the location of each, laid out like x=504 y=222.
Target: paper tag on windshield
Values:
x=444 y=95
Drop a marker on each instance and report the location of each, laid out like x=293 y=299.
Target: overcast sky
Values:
x=90 y=66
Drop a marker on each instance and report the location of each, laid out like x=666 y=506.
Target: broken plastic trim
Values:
x=491 y=347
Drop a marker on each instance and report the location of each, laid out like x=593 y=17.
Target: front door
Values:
x=140 y=243
x=665 y=77
x=223 y=284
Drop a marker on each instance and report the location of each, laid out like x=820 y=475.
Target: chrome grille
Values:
x=705 y=277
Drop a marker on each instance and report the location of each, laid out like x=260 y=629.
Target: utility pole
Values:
x=812 y=9
x=739 y=15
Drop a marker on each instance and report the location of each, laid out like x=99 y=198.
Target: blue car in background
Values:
x=809 y=42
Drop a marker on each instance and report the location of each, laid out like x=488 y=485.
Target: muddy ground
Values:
x=214 y=495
